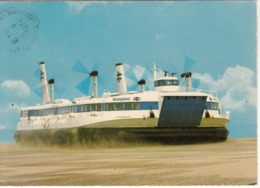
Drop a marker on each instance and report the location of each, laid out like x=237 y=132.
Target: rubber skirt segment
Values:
x=84 y=136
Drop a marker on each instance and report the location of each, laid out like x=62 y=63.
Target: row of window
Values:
x=166 y=83
x=92 y=107
x=212 y=106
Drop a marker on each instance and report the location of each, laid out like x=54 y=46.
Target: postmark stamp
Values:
x=18 y=29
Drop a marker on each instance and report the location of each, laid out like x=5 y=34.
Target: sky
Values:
x=220 y=36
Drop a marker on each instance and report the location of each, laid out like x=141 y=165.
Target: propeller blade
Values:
x=79 y=67
x=133 y=88
x=148 y=73
x=84 y=85
x=95 y=66
x=130 y=75
x=59 y=91
x=188 y=63
x=138 y=72
x=38 y=92
x=36 y=73
x=195 y=82
x=100 y=80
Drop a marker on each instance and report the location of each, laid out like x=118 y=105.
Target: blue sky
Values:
x=219 y=35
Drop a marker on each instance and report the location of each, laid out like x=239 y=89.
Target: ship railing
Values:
x=211 y=92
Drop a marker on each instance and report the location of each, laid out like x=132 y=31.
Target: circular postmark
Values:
x=18 y=29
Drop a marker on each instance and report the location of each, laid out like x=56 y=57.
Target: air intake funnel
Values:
x=120 y=77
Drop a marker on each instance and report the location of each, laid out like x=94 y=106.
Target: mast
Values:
x=154 y=71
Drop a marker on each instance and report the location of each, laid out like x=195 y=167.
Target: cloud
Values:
x=9 y=115
x=3 y=126
x=235 y=88
x=15 y=87
x=78 y=6
x=12 y=107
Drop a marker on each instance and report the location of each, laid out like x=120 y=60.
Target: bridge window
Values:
x=212 y=106
x=166 y=83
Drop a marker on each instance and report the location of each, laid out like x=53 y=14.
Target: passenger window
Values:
x=128 y=106
x=98 y=107
x=137 y=106
x=110 y=106
x=118 y=106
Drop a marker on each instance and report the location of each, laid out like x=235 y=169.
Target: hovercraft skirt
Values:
x=85 y=136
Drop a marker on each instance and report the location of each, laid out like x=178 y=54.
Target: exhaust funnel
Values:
x=187 y=76
x=51 y=84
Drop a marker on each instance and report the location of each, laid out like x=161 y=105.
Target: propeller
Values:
x=38 y=91
x=135 y=76
x=195 y=83
x=79 y=67
x=85 y=85
x=188 y=64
